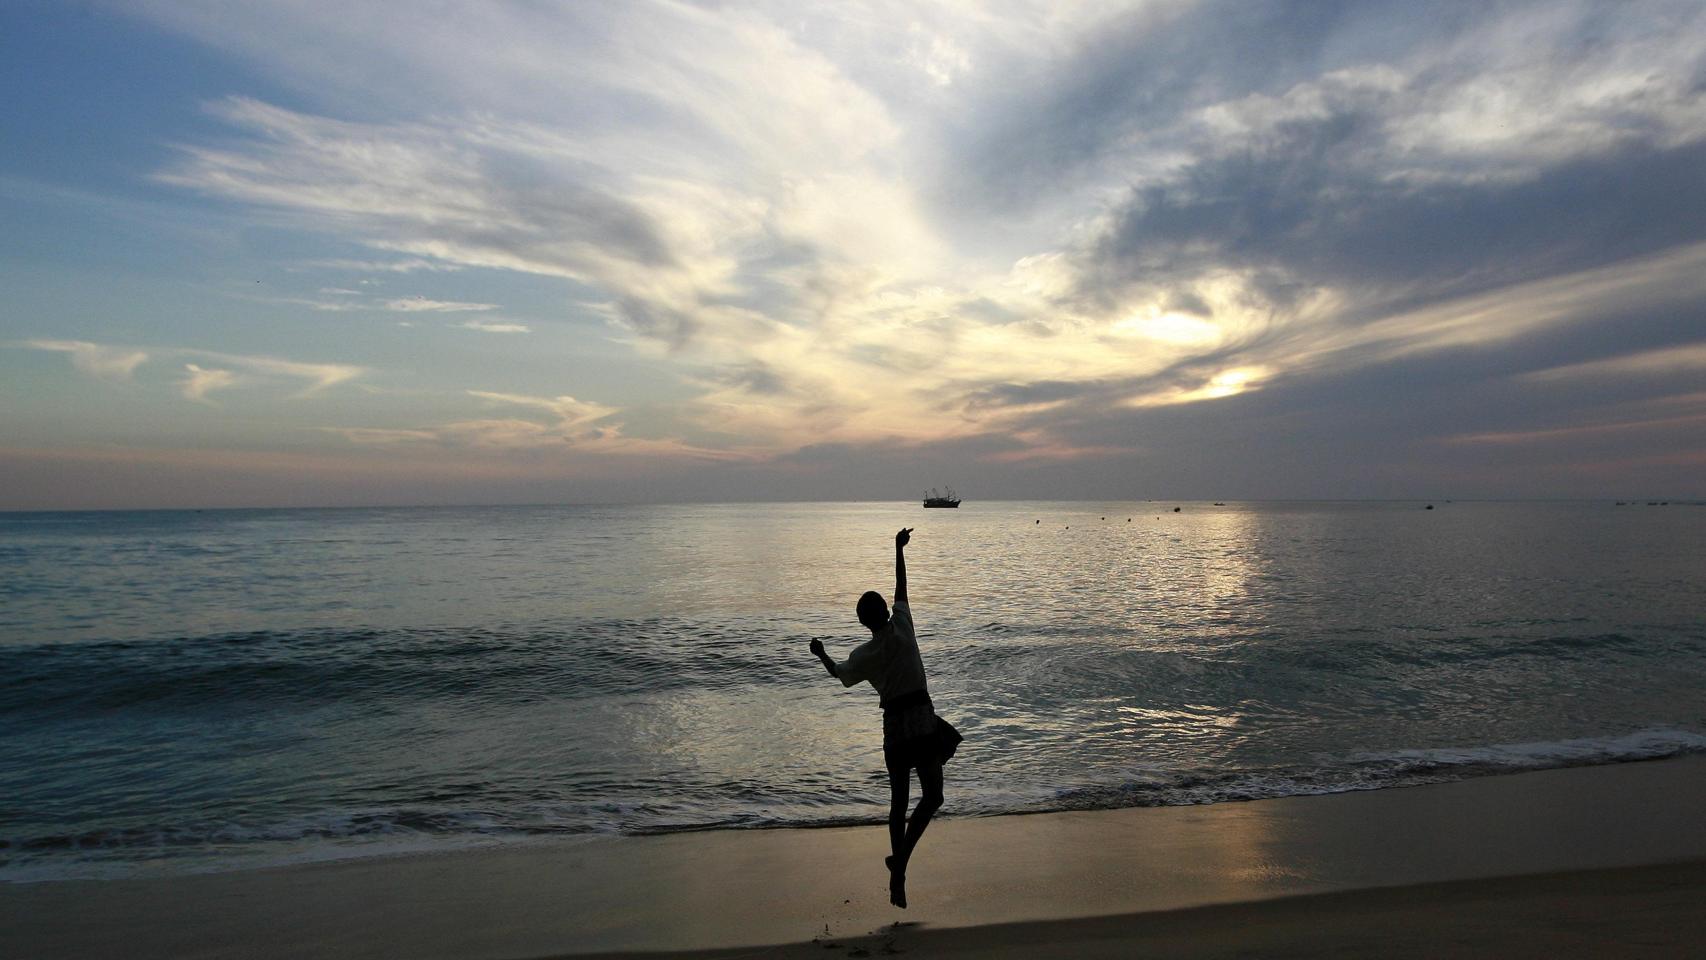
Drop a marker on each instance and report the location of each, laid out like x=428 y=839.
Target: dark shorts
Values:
x=931 y=750
x=913 y=736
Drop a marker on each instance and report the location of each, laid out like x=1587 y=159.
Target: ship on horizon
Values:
x=947 y=498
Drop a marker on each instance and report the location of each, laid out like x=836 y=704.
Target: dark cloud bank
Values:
x=1328 y=199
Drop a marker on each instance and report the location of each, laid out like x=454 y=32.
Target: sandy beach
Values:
x=1631 y=912
x=1607 y=860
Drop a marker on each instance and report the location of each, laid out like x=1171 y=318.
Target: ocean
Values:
x=192 y=691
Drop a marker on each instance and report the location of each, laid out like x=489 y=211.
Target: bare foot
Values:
x=897 y=884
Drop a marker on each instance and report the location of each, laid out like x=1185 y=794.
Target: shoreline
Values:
x=1636 y=747
x=720 y=890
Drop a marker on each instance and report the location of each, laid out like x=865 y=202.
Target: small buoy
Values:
x=1104 y=518
x=1175 y=509
x=1127 y=519
x=1039 y=521
x=1430 y=506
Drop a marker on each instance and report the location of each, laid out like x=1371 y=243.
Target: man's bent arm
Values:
x=828 y=663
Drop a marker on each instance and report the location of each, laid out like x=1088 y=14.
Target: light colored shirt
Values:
x=889 y=661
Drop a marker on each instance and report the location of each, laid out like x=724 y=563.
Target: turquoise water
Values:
x=211 y=690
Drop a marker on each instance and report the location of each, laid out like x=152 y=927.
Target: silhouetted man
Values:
x=913 y=736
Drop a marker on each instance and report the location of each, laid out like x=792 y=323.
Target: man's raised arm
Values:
x=900 y=541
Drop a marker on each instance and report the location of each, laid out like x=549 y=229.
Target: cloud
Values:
x=1480 y=153
x=346 y=302
x=1686 y=359
x=421 y=304
x=562 y=426
x=318 y=376
x=731 y=173
x=495 y=326
x=569 y=412
x=114 y=362
x=35 y=478
x=199 y=382
x=1063 y=226
x=1575 y=433
x=407 y=265
x=467 y=196
x=97 y=360
x=320 y=306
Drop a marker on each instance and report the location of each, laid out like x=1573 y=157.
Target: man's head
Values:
x=873 y=611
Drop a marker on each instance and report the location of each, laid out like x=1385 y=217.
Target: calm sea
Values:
x=189 y=691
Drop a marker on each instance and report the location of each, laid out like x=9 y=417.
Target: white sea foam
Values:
x=1377 y=770
x=1639 y=745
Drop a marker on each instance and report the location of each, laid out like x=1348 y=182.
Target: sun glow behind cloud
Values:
x=1169 y=328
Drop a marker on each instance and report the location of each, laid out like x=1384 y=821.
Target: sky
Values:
x=312 y=253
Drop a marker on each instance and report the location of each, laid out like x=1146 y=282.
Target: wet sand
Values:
x=1655 y=911
x=1590 y=861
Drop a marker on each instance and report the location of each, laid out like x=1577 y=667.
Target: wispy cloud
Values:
x=407 y=265
x=318 y=376
x=351 y=301
x=423 y=305
x=340 y=305
x=97 y=360
x=559 y=425
x=198 y=382
x=495 y=326
x=115 y=362
x=1685 y=359
x=568 y=412
x=1573 y=433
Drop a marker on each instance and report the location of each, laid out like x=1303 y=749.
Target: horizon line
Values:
x=1629 y=501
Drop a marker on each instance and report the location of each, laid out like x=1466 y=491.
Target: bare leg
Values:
x=900 y=779
x=904 y=833
x=930 y=779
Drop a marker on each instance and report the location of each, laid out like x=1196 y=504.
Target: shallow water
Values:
x=206 y=690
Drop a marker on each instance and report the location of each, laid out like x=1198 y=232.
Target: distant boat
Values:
x=946 y=498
